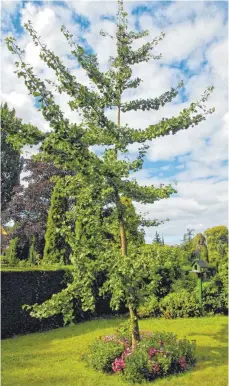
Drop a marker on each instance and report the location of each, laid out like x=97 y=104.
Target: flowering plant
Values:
x=118 y=365
x=182 y=363
x=152 y=351
x=156 y=355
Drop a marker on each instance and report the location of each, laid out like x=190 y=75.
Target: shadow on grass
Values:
x=219 y=336
x=211 y=356
x=44 y=341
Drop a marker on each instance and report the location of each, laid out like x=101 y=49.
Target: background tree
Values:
x=157 y=238
x=189 y=234
x=29 y=206
x=187 y=244
x=199 y=247
x=217 y=243
x=14 y=135
x=162 y=241
x=11 y=160
x=33 y=256
x=103 y=182
x=12 y=252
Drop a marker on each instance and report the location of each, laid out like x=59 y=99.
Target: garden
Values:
x=56 y=357
x=85 y=299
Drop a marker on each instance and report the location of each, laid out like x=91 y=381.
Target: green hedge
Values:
x=29 y=287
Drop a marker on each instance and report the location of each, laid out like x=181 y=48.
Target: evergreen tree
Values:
x=157 y=238
x=32 y=253
x=101 y=183
x=162 y=241
x=11 y=252
x=189 y=234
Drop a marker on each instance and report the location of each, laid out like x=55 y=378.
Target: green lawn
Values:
x=54 y=357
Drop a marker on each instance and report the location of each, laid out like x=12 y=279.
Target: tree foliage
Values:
x=56 y=250
x=99 y=184
x=157 y=238
x=217 y=243
x=30 y=205
x=33 y=255
x=199 y=247
x=11 y=161
x=11 y=253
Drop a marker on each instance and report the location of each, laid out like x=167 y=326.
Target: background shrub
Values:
x=180 y=304
x=150 y=308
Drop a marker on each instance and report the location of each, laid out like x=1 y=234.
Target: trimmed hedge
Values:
x=29 y=287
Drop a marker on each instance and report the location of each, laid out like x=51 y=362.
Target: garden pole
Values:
x=199 y=289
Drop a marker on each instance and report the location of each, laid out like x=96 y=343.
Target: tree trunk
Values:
x=133 y=314
x=123 y=238
x=134 y=327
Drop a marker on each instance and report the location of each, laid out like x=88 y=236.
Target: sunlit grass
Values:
x=54 y=357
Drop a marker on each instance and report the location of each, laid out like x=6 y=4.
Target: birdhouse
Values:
x=199 y=266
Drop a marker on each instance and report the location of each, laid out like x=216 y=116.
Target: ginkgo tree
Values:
x=101 y=187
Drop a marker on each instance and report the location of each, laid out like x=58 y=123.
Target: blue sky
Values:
x=194 y=49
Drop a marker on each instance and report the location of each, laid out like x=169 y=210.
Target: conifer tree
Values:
x=11 y=253
x=32 y=253
x=101 y=183
x=157 y=238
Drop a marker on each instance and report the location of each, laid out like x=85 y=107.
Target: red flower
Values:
x=182 y=363
x=152 y=351
x=118 y=365
x=156 y=368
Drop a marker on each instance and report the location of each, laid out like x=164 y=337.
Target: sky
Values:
x=195 y=49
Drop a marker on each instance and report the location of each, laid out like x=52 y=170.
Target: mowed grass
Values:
x=54 y=357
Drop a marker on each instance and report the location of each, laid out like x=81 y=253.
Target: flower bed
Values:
x=156 y=355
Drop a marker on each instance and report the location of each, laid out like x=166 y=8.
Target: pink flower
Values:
x=109 y=338
x=182 y=363
x=126 y=353
x=152 y=351
x=156 y=368
x=118 y=365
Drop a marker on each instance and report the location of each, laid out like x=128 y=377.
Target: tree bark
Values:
x=134 y=327
x=133 y=314
x=123 y=237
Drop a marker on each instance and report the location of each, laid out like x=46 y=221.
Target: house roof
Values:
x=201 y=263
